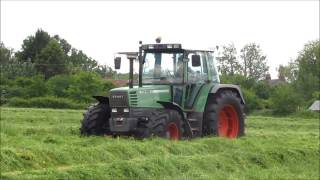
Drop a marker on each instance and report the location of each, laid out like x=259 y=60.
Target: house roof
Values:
x=274 y=82
x=315 y=106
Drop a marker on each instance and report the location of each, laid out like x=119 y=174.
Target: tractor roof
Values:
x=167 y=48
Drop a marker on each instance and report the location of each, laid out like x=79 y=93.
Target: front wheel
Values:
x=164 y=124
x=224 y=115
x=96 y=120
x=173 y=126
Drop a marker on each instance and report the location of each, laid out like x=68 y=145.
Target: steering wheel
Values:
x=169 y=74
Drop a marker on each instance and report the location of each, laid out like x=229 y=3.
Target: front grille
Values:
x=133 y=98
x=118 y=99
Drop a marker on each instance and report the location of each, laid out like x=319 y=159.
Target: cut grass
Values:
x=45 y=144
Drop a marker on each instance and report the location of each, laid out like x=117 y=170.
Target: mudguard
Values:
x=102 y=99
x=233 y=87
x=176 y=107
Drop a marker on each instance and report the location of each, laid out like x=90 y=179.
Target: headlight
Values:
x=126 y=110
x=177 y=46
x=114 y=110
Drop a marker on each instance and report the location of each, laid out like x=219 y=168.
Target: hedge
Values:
x=45 y=102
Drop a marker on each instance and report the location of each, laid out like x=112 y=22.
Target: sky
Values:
x=101 y=28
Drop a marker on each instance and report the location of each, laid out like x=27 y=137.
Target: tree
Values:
x=254 y=63
x=288 y=72
x=228 y=61
x=111 y=73
x=82 y=61
x=46 y=61
x=309 y=67
x=10 y=67
x=15 y=69
x=33 y=45
x=63 y=43
x=281 y=72
x=52 y=60
x=5 y=54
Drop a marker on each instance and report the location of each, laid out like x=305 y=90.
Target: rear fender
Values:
x=232 y=87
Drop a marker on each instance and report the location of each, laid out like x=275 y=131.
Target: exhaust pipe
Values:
x=131 y=73
x=140 y=63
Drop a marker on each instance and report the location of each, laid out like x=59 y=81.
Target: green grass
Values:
x=45 y=144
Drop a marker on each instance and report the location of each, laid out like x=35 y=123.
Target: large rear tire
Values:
x=224 y=115
x=96 y=120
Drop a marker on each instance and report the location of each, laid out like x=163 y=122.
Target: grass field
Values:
x=45 y=144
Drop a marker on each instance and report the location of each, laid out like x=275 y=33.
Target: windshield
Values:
x=163 y=67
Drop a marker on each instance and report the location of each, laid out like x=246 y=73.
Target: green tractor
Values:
x=178 y=95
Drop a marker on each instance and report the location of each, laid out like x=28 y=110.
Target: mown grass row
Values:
x=45 y=144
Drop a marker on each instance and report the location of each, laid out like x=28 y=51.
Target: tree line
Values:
x=47 y=68
x=49 y=56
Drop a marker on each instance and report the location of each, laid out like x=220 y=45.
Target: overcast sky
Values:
x=100 y=28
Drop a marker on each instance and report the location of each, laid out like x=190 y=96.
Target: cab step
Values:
x=195 y=129
x=192 y=120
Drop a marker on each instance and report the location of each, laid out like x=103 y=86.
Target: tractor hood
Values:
x=146 y=96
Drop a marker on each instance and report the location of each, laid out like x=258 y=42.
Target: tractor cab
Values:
x=183 y=71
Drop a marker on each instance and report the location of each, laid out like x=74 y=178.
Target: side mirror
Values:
x=117 y=62
x=195 y=59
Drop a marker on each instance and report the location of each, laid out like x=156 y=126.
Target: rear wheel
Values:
x=224 y=115
x=96 y=120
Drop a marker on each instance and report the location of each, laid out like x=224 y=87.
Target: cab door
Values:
x=197 y=77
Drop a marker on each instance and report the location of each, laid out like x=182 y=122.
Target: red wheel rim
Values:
x=228 y=122
x=172 y=131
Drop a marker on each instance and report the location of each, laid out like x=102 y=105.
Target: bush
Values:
x=262 y=89
x=252 y=101
x=45 y=102
x=37 y=87
x=57 y=85
x=79 y=87
x=28 y=87
x=84 y=86
x=18 y=102
x=284 y=100
x=238 y=80
x=107 y=85
x=4 y=94
x=61 y=91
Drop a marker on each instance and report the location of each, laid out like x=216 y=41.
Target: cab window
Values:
x=212 y=64
x=198 y=74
